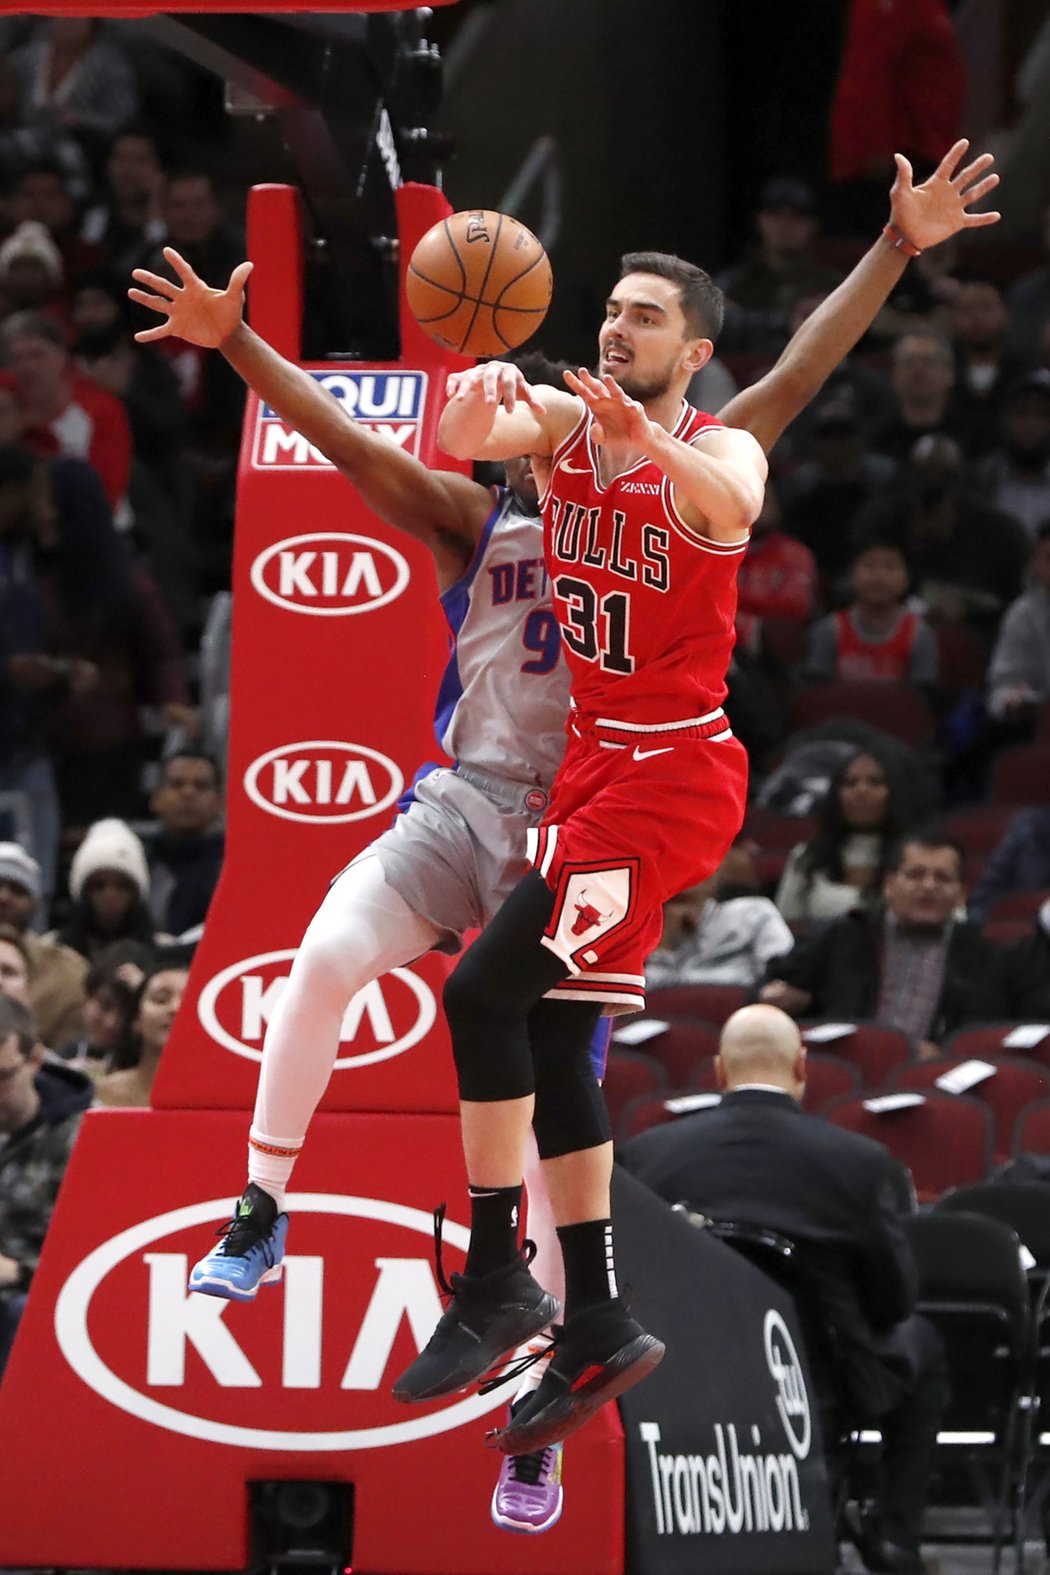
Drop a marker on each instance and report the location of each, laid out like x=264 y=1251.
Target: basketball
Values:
x=479 y=283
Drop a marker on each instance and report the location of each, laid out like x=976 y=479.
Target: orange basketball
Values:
x=479 y=283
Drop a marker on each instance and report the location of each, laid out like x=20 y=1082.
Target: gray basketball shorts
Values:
x=459 y=849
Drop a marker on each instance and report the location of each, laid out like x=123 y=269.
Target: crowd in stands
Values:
x=891 y=679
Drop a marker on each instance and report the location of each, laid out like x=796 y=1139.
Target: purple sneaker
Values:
x=528 y=1494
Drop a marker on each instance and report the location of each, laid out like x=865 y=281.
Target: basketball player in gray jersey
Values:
x=448 y=861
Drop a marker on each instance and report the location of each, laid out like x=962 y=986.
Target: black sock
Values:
x=494 y=1215
x=590 y=1277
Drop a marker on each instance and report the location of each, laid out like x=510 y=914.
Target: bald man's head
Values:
x=762 y=1044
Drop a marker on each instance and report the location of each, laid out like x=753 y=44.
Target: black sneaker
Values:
x=597 y=1355
x=488 y=1317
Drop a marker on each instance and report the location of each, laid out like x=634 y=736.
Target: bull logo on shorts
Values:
x=587 y=915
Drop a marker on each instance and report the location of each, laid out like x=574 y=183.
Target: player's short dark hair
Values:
x=1042 y=530
x=702 y=301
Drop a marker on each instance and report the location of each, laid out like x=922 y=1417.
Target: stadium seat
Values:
x=1032 y=1132
x=987 y=1041
x=784 y=640
x=707 y=1003
x=776 y=832
x=979 y=829
x=897 y=708
x=1014 y=1084
x=874 y=1051
x=656 y=1110
x=963 y=660
x=1021 y=776
x=1020 y=1204
x=1003 y=932
x=945 y=1141
x=1018 y=905
x=828 y=1077
x=972 y=1287
x=629 y=1075
x=682 y=1048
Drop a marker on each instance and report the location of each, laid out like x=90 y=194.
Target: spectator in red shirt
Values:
x=778 y=577
x=66 y=413
x=876 y=638
x=901 y=88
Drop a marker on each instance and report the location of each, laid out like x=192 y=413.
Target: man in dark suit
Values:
x=756 y=1159
x=910 y=965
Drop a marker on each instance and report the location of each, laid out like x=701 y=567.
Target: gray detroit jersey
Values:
x=502 y=703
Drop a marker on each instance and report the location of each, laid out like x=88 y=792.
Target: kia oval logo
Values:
x=786 y=1372
x=323 y=779
x=330 y=574
x=317 y=1345
x=383 y=1020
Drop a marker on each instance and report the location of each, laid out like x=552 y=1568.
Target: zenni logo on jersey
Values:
x=330 y=574
x=388 y=403
x=383 y=1020
x=323 y=779
x=311 y=1369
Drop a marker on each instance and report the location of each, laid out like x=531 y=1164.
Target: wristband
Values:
x=901 y=242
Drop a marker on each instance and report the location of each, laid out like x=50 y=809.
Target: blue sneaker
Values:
x=250 y=1252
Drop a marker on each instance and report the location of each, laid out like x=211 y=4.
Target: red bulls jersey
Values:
x=646 y=605
x=861 y=660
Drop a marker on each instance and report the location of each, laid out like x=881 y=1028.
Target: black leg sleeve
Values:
x=490 y=994
x=570 y=1108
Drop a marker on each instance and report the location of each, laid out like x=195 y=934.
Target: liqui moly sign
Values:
x=390 y=404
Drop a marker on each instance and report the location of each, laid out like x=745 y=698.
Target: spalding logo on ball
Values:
x=479 y=283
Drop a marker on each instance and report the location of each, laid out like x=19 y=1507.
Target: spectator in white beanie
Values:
x=109 y=884
x=31 y=273
x=56 y=986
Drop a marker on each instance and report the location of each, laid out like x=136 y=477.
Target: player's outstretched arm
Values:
x=718 y=485
x=921 y=216
x=493 y=413
x=445 y=510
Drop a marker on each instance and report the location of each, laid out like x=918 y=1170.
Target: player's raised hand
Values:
x=617 y=417
x=192 y=309
x=941 y=206
x=494 y=383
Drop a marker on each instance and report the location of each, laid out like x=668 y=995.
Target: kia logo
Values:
x=383 y=1020
x=330 y=574
x=786 y=1372
x=127 y=1325
x=323 y=779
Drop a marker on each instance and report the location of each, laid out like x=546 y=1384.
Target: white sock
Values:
x=271 y=1161
x=362 y=929
x=534 y=1374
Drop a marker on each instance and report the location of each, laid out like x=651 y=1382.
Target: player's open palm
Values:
x=941 y=206
x=618 y=419
x=192 y=309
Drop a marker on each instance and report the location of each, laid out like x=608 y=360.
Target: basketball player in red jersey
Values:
x=647 y=507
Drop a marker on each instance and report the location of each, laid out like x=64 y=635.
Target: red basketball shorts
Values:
x=634 y=818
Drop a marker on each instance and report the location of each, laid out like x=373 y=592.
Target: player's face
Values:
x=644 y=342
x=521 y=480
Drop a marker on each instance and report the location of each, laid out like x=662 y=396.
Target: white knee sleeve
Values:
x=362 y=929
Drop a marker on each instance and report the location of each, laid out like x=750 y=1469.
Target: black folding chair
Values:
x=973 y=1289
